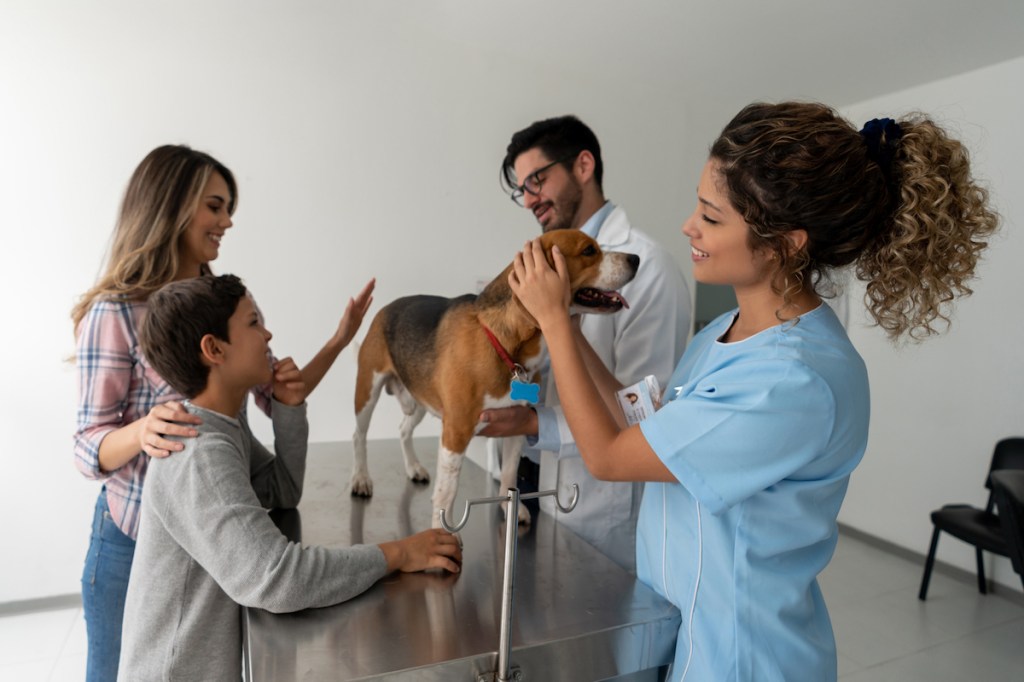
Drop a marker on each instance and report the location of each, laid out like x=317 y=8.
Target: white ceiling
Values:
x=735 y=51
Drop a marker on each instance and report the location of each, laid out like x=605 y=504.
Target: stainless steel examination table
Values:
x=577 y=615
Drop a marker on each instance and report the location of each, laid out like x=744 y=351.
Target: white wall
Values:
x=363 y=145
x=938 y=408
x=366 y=140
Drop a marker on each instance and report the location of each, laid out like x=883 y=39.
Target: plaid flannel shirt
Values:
x=116 y=386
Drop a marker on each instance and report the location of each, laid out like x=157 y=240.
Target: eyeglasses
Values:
x=533 y=181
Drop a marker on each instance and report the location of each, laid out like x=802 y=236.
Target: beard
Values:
x=565 y=206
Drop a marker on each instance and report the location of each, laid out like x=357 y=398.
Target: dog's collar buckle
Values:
x=519 y=373
x=520 y=388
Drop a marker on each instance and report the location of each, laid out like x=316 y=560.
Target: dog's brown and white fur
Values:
x=433 y=353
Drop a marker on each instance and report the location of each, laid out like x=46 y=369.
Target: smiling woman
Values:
x=719 y=239
x=748 y=459
x=177 y=207
x=167 y=197
x=200 y=243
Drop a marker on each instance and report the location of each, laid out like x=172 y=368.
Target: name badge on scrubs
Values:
x=640 y=400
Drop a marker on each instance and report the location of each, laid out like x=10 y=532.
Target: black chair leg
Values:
x=982 y=585
x=928 y=565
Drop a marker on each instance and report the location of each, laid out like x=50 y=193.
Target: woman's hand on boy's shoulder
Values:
x=166 y=419
x=288 y=386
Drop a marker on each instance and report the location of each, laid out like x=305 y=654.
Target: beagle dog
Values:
x=459 y=356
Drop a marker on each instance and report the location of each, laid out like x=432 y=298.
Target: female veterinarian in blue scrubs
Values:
x=766 y=415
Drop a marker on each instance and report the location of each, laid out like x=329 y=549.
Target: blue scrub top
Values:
x=762 y=435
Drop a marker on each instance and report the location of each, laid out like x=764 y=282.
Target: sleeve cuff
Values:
x=548 y=436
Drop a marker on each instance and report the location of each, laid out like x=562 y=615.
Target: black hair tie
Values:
x=881 y=136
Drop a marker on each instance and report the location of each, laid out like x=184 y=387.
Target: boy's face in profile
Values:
x=247 y=360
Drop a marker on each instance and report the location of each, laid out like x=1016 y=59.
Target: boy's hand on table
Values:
x=434 y=548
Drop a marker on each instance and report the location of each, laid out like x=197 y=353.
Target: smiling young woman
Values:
x=176 y=206
x=765 y=417
x=722 y=253
x=175 y=212
x=200 y=242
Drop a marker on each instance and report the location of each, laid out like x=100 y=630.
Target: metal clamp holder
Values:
x=505 y=673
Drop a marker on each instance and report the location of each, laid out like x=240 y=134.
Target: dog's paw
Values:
x=417 y=474
x=524 y=515
x=362 y=486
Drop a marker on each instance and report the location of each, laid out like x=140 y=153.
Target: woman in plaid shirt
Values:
x=176 y=209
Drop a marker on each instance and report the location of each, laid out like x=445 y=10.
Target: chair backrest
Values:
x=1009 y=454
x=1008 y=490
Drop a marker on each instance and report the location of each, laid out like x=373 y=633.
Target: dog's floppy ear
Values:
x=497 y=292
x=547 y=254
x=564 y=239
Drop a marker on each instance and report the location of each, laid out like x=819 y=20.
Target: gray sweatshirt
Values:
x=207 y=546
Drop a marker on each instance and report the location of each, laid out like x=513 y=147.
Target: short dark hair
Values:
x=557 y=138
x=180 y=314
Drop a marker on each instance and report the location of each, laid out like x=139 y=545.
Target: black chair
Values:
x=1008 y=489
x=979 y=527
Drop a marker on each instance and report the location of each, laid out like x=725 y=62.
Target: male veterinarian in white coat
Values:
x=554 y=169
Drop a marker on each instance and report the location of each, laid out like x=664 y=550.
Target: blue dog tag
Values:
x=523 y=391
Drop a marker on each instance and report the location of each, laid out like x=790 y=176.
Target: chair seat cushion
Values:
x=972 y=525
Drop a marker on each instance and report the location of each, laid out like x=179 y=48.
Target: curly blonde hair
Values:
x=899 y=205
x=162 y=197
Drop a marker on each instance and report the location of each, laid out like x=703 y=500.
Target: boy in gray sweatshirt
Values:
x=206 y=544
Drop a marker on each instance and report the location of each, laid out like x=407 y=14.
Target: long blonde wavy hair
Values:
x=898 y=204
x=162 y=197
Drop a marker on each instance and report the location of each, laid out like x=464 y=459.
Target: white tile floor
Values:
x=47 y=646
x=883 y=632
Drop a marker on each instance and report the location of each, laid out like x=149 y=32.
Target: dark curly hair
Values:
x=900 y=206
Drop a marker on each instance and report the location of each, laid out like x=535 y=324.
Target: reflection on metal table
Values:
x=577 y=614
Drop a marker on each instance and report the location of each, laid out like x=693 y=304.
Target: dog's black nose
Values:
x=634 y=261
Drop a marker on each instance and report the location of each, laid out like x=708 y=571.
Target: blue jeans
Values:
x=104 y=587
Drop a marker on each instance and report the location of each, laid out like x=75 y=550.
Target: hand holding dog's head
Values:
x=540 y=280
x=595 y=276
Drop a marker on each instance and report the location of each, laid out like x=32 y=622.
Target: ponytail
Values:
x=928 y=248
x=895 y=201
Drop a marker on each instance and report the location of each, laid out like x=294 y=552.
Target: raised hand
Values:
x=354 y=313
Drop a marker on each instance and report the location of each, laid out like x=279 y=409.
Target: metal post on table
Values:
x=505 y=672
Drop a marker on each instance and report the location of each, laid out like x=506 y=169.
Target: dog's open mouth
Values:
x=604 y=301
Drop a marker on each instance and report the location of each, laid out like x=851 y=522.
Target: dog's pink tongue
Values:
x=622 y=299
